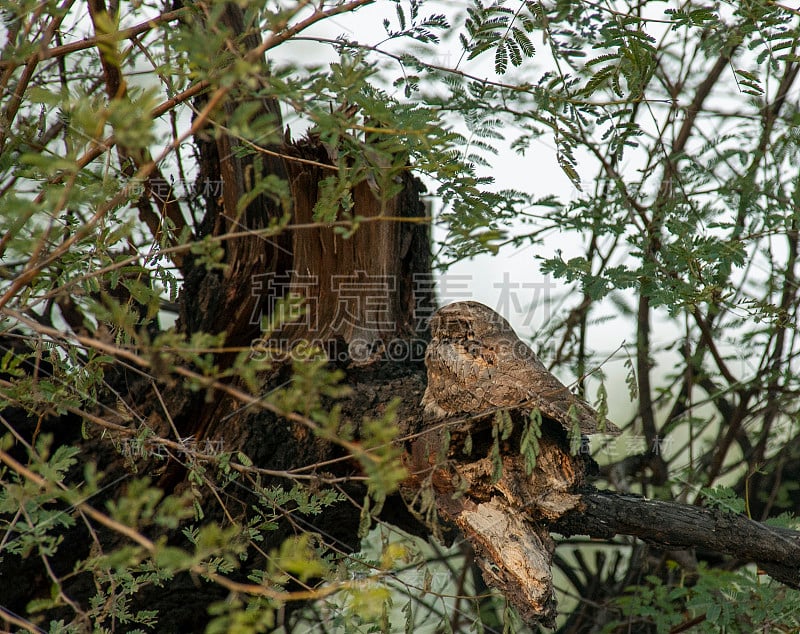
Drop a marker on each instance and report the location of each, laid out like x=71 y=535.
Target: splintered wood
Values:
x=504 y=518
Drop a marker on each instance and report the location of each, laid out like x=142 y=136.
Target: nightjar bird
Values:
x=477 y=362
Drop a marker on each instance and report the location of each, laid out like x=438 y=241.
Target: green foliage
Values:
x=529 y=441
x=501 y=30
x=715 y=600
x=724 y=499
x=412 y=24
x=677 y=129
x=502 y=427
x=381 y=457
x=39 y=515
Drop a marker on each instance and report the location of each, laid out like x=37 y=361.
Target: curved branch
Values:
x=671 y=524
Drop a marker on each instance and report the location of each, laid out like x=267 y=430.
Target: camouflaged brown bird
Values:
x=476 y=362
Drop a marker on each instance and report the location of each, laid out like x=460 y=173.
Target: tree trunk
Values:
x=367 y=296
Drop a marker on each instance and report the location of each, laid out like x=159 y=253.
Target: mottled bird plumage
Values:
x=477 y=362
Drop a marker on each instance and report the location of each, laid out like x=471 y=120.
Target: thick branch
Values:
x=670 y=524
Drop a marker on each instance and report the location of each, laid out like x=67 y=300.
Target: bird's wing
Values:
x=527 y=379
x=555 y=400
